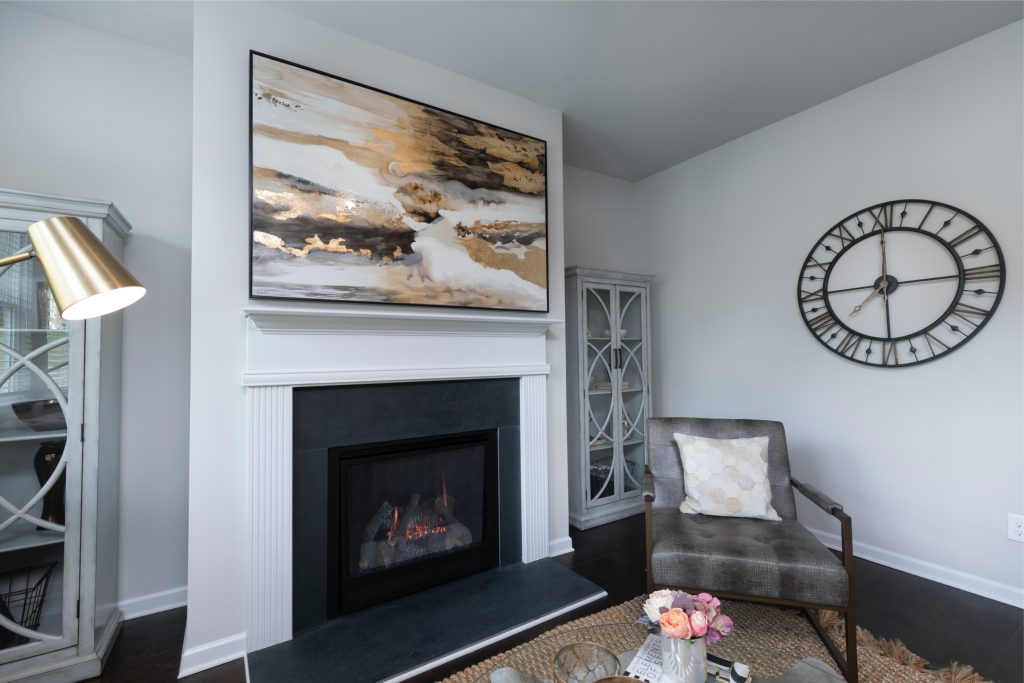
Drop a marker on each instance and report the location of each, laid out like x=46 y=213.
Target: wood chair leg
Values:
x=851 y=644
x=848 y=664
x=649 y=525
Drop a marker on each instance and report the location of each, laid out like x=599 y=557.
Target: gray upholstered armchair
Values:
x=779 y=563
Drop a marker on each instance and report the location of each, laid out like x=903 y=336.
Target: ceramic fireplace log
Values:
x=407 y=517
x=379 y=522
x=376 y=554
x=445 y=512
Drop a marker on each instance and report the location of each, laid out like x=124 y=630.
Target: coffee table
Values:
x=537 y=656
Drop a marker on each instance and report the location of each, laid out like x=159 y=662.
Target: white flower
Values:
x=657 y=600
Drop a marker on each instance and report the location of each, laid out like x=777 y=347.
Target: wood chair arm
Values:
x=817 y=497
x=648 y=486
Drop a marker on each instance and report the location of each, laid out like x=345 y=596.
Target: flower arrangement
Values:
x=684 y=617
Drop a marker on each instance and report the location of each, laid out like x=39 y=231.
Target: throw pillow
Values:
x=726 y=477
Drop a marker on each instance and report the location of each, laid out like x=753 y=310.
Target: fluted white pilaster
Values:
x=270 y=516
x=533 y=432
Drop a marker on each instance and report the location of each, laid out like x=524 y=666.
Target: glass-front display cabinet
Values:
x=59 y=460
x=609 y=392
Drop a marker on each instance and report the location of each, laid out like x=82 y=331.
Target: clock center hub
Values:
x=891 y=284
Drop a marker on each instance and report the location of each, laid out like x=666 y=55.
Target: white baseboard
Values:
x=209 y=655
x=154 y=602
x=1011 y=595
x=559 y=546
x=494 y=639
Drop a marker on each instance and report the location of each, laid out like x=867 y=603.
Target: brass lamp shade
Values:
x=86 y=279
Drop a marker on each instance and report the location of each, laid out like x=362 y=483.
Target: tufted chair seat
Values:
x=778 y=562
x=746 y=557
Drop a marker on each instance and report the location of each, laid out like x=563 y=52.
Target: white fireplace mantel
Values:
x=290 y=346
x=281 y=319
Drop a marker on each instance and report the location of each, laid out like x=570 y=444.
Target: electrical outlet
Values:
x=1015 y=528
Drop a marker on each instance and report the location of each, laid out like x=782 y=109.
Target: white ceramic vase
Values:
x=683 y=661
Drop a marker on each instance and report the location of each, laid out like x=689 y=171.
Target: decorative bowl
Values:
x=585 y=663
x=43 y=415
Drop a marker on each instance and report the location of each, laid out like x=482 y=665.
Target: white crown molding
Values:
x=306 y=320
x=67 y=206
x=372 y=376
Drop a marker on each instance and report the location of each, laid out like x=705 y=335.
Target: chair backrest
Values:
x=667 y=467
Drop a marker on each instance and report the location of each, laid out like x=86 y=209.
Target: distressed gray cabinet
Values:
x=60 y=405
x=609 y=352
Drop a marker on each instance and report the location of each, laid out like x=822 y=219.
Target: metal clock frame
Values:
x=957 y=259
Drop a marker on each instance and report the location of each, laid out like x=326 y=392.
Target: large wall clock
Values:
x=901 y=283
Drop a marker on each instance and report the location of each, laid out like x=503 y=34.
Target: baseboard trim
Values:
x=494 y=639
x=971 y=583
x=154 y=602
x=559 y=546
x=209 y=655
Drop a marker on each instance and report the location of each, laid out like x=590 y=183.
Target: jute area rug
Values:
x=769 y=639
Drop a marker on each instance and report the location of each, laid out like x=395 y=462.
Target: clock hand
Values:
x=885 y=274
x=900 y=283
x=881 y=288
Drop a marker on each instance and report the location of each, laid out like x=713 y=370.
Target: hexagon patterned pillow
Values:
x=726 y=477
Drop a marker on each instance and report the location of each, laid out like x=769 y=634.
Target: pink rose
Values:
x=675 y=624
x=723 y=624
x=709 y=600
x=699 y=624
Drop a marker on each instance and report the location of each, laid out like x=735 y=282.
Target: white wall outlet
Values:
x=1015 y=528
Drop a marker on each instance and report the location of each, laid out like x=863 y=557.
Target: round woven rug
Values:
x=769 y=639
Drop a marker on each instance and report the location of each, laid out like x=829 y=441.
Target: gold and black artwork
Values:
x=359 y=195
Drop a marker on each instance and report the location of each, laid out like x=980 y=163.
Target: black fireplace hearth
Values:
x=409 y=514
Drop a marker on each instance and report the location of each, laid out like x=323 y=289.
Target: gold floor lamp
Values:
x=87 y=281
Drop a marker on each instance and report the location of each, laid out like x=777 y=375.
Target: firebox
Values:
x=409 y=514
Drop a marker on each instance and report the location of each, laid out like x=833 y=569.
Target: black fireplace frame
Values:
x=346 y=593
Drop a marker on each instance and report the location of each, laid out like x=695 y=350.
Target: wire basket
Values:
x=22 y=593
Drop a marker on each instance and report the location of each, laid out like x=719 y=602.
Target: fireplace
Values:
x=408 y=514
x=318 y=377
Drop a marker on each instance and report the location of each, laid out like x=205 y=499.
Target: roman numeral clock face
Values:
x=901 y=283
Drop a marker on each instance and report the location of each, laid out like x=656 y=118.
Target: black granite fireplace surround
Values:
x=330 y=423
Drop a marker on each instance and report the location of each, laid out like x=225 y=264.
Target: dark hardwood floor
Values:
x=940 y=623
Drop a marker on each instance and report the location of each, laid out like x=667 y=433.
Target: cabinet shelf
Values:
x=14 y=435
x=28 y=538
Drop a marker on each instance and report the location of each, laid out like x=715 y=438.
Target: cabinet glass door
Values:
x=40 y=389
x=632 y=385
x=600 y=473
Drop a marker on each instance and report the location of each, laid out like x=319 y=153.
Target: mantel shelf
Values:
x=280 y=319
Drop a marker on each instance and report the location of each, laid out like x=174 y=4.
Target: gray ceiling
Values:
x=643 y=85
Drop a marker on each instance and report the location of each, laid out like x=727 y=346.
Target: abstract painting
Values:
x=359 y=195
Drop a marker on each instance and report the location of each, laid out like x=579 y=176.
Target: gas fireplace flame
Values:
x=444 y=490
x=423 y=526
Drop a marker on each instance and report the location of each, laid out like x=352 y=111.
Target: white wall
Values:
x=224 y=33
x=927 y=459
x=603 y=227
x=87 y=114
